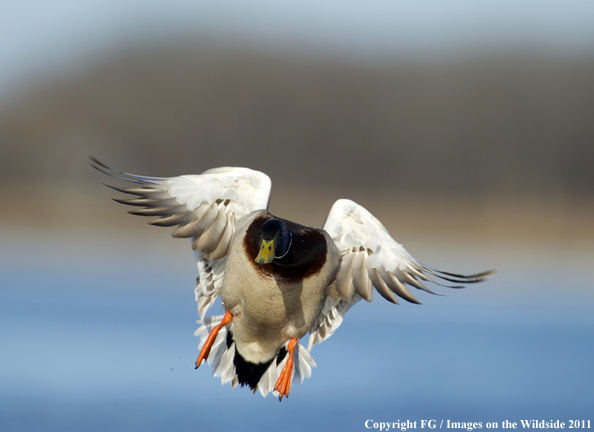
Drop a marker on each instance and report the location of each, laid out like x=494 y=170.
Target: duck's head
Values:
x=274 y=241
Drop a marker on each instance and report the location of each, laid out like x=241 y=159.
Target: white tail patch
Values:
x=221 y=359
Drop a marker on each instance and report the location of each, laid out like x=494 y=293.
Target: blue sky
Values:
x=65 y=35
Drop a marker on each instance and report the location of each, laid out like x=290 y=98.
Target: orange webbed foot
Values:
x=205 y=351
x=283 y=384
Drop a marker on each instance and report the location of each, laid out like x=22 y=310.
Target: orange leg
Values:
x=205 y=351
x=283 y=384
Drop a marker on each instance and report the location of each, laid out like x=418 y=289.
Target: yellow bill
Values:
x=266 y=254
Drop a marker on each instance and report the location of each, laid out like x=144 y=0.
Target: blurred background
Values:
x=465 y=127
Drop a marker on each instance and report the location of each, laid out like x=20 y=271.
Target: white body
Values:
x=267 y=310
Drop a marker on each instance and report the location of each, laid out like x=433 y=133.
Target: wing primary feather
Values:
x=144 y=192
x=137 y=201
x=479 y=277
x=344 y=281
x=396 y=286
x=403 y=291
x=456 y=280
x=110 y=172
x=189 y=230
x=409 y=279
x=176 y=219
x=223 y=246
x=418 y=273
x=98 y=162
x=482 y=275
x=212 y=235
x=379 y=284
x=159 y=211
x=206 y=220
x=361 y=280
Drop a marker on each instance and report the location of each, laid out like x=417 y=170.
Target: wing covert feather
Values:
x=370 y=257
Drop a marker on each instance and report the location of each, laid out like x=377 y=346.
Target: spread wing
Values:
x=204 y=208
x=370 y=257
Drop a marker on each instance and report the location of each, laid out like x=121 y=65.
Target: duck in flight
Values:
x=277 y=280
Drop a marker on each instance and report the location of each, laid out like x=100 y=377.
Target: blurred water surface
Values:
x=97 y=335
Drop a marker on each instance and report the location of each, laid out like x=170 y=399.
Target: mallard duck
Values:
x=277 y=280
